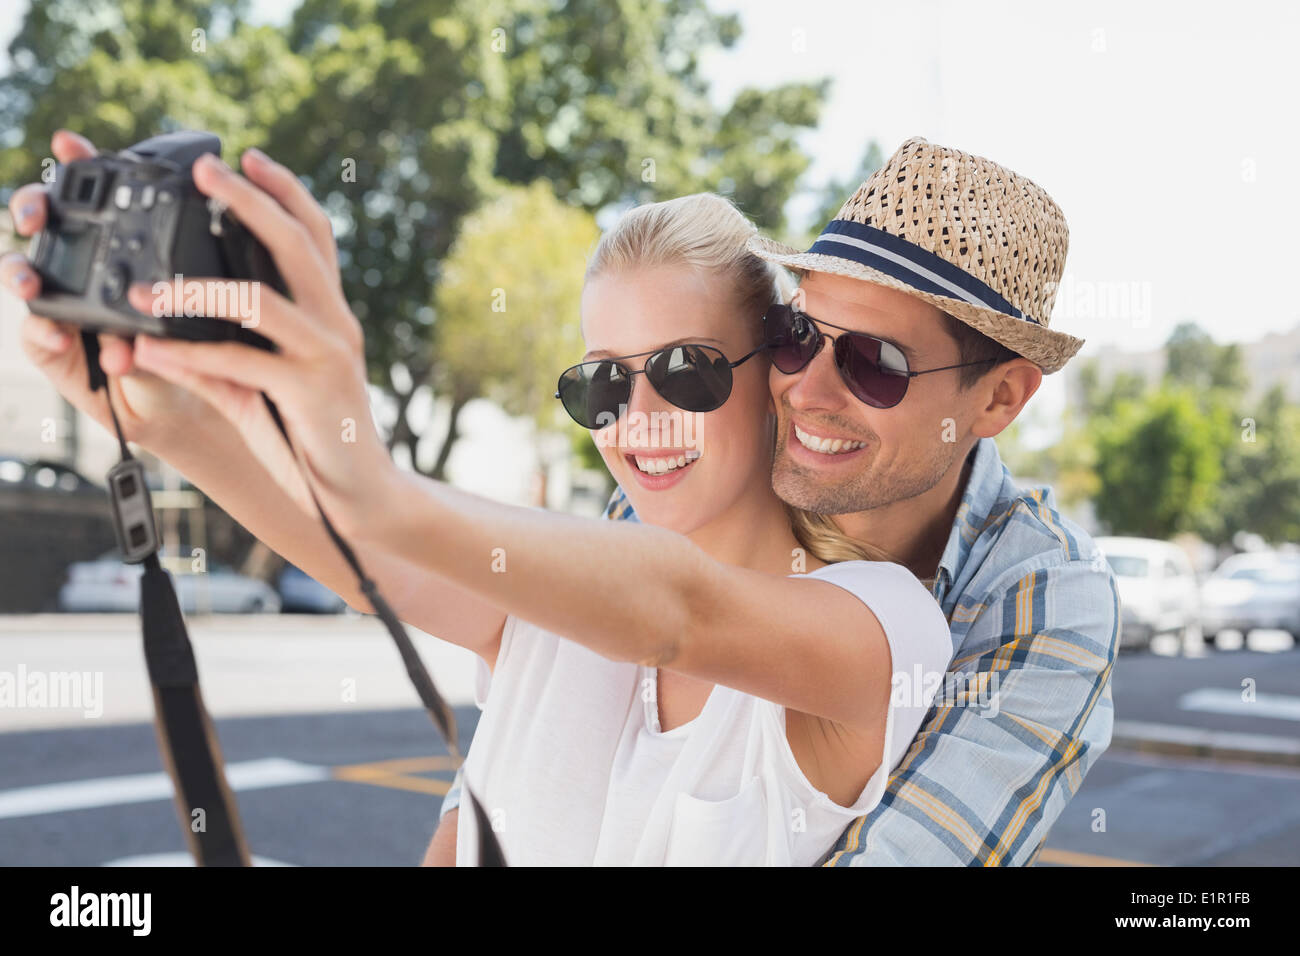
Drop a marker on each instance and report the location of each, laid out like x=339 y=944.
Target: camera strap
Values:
x=186 y=737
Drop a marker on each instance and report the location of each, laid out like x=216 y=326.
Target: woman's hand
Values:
x=152 y=412
x=318 y=378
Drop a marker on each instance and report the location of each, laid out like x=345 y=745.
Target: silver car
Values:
x=1255 y=590
x=109 y=584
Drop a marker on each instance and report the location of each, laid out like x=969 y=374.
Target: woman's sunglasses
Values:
x=696 y=378
x=874 y=370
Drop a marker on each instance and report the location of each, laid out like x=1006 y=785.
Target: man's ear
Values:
x=1004 y=393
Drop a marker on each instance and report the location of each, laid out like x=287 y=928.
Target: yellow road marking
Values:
x=1071 y=858
x=397 y=774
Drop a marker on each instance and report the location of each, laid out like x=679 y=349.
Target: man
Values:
x=945 y=263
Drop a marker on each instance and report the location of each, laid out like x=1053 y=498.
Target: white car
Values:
x=1158 y=590
x=109 y=584
x=1254 y=590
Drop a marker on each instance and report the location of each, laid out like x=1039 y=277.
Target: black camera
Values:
x=136 y=216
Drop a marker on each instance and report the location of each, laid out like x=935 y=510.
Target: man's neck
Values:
x=915 y=531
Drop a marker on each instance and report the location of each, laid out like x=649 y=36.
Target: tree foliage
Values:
x=403 y=116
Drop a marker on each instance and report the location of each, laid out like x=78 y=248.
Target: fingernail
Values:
x=26 y=211
x=22 y=276
x=257 y=155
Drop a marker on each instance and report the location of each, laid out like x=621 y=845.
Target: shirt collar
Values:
x=983 y=486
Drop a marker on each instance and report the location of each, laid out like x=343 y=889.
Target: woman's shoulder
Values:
x=900 y=601
x=862 y=568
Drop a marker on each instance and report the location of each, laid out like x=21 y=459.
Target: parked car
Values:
x=50 y=475
x=1158 y=590
x=1260 y=589
x=109 y=584
x=300 y=593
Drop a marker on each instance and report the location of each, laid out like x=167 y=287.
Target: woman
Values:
x=659 y=693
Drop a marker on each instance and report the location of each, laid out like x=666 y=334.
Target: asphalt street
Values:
x=334 y=765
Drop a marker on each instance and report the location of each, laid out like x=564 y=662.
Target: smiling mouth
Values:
x=827 y=446
x=661 y=464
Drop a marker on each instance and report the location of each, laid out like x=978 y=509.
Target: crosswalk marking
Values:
x=1220 y=701
x=143 y=787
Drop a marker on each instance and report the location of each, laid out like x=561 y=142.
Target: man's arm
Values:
x=983 y=786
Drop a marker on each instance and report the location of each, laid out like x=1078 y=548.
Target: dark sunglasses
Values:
x=696 y=378
x=874 y=370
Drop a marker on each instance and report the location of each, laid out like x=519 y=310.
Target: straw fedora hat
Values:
x=979 y=241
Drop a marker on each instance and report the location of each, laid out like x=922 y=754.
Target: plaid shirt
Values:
x=1026 y=710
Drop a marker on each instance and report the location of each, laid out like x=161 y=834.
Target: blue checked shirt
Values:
x=1026 y=709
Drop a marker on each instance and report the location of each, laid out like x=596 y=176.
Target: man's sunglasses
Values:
x=696 y=378
x=874 y=370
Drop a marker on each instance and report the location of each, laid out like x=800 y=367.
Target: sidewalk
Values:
x=249 y=665
x=1236 y=705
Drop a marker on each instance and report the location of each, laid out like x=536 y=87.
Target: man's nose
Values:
x=818 y=384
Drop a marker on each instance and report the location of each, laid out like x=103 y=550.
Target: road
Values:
x=334 y=765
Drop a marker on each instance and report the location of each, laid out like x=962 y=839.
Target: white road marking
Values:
x=1220 y=701
x=179 y=859
x=143 y=787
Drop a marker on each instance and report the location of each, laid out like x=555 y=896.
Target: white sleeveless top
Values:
x=572 y=770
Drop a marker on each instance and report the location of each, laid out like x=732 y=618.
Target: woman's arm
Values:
x=442 y=848
x=635 y=592
x=231 y=475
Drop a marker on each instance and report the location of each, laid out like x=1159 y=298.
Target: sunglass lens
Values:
x=693 y=377
x=858 y=358
x=792 y=339
x=594 y=392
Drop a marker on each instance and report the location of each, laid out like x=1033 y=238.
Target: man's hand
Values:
x=442 y=848
x=153 y=412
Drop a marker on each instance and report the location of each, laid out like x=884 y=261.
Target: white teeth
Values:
x=827 y=446
x=661 y=466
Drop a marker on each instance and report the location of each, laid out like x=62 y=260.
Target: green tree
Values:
x=402 y=115
x=508 y=306
x=835 y=193
x=1192 y=358
x=1260 y=490
x=1157 y=463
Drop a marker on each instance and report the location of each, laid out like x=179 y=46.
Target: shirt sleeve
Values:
x=1029 y=713
x=452 y=798
x=920 y=647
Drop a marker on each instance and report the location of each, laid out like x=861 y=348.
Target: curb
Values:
x=1198 y=742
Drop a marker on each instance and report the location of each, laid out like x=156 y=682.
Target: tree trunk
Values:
x=453 y=432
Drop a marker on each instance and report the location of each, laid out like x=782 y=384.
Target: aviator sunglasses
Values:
x=696 y=378
x=874 y=370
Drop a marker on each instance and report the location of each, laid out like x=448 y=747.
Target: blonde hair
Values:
x=706 y=232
